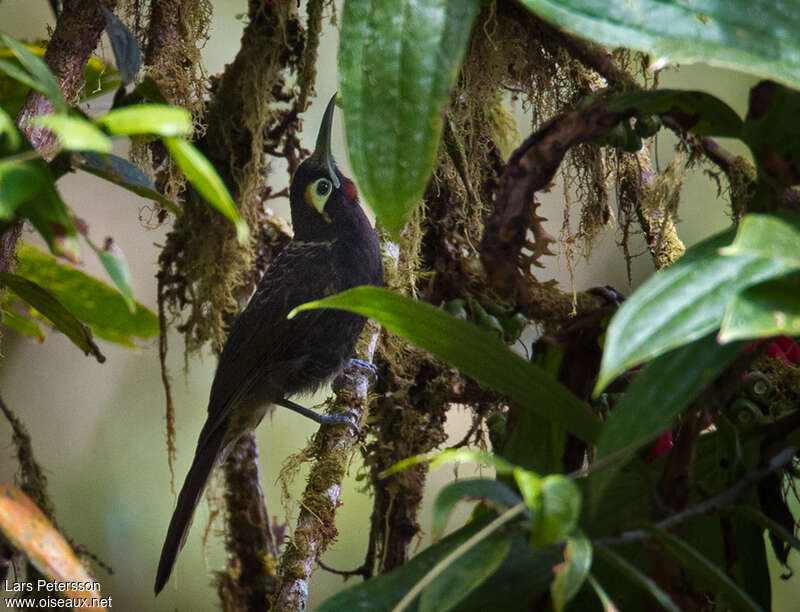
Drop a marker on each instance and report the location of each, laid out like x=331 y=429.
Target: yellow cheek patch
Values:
x=310 y=197
x=316 y=200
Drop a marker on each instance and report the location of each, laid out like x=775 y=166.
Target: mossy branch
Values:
x=332 y=448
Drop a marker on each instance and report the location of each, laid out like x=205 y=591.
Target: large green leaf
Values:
x=754 y=36
x=95 y=303
x=523 y=574
x=204 y=178
x=773 y=236
x=398 y=60
x=764 y=310
x=55 y=312
x=699 y=566
x=157 y=119
x=681 y=303
x=476 y=353
x=383 y=592
x=456 y=582
x=75 y=133
x=702 y=113
x=658 y=394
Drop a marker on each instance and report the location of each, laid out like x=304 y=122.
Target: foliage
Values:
x=639 y=453
x=28 y=191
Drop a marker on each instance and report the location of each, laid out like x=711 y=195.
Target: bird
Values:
x=268 y=358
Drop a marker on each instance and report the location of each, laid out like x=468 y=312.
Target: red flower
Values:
x=785 y=349
x=661 y=447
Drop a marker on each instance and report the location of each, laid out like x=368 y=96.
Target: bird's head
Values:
x=324 y=202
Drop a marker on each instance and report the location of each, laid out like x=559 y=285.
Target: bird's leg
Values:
x=364 y=366
x=322 y=419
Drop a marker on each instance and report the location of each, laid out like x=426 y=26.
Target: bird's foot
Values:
x=365 y=366
x=341 y=418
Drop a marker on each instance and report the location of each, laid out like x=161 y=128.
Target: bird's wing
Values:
x=262 y=340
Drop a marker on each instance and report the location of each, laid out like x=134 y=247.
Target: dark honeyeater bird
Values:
x=269 y=358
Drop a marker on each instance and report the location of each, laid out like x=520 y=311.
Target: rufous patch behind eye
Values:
x=350 y=189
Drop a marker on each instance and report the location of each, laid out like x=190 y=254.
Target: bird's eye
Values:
x=318 y=192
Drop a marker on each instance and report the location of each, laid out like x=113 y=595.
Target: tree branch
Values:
x=710 y=505
x=333 y=446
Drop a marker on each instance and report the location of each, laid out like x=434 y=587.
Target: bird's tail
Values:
x=208 y=449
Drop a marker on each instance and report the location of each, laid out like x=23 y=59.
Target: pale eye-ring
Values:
x=323 y=187
x=318 y=192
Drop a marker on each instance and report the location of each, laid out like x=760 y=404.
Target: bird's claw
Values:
x=342 y=418
x=365 y=366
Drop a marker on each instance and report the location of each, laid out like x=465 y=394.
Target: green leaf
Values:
x=530 y=486
x=474 y=352
x=125 y=46
x=50 y=308
x=658 y=394
x=398 y=60
x=769 y=236
x=156 y=119
x=572 y=573
x=104 y=309
x=753 y=36
x=456 y=582
x=204 y=178
x=493 y=493
x=680 y=304
x=74 y=133
x=697 y=111
x=765 y=310
x=561 y=508
x=535 y=443
x=20 y=182
x=636 y=576
x=113 y=260
x=523 y=574
x=125 y=174
x=49 y=215
x=22 y=325
x=42 y=80
x=13 y=70
x=697 y=565
x=10 y=138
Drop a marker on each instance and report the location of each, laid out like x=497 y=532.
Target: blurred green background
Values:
x=99 y=429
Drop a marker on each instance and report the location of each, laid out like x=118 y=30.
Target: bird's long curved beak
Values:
x=322 y=152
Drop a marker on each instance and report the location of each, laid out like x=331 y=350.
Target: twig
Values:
x=33 y=480
x=714 y=503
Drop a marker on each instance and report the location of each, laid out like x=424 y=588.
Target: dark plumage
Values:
x=267 y=357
